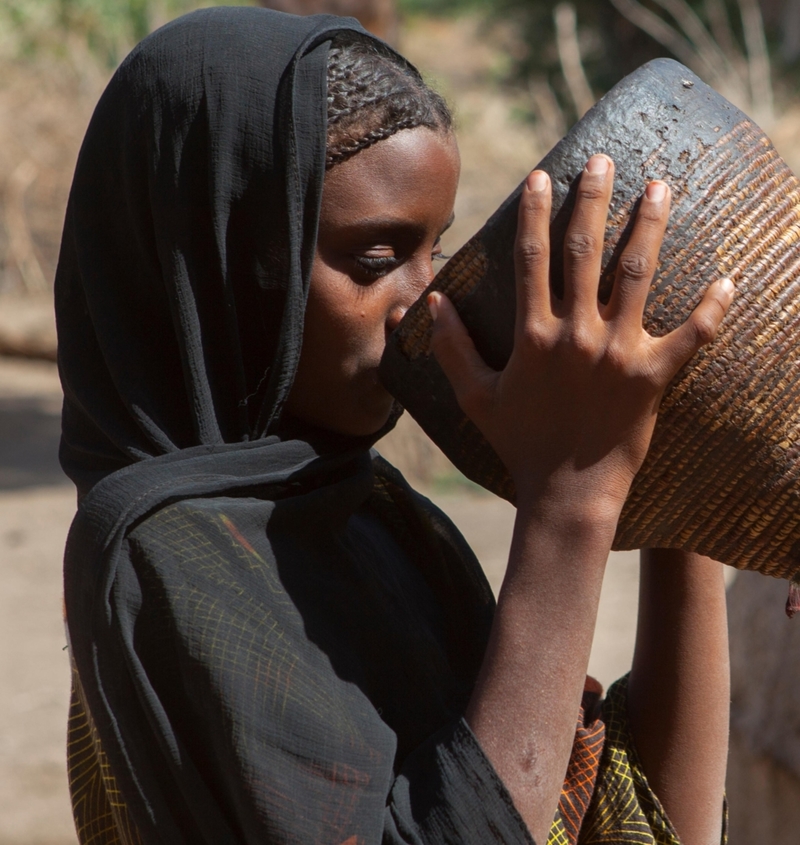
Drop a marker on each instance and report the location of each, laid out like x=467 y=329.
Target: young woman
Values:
x=274 y=638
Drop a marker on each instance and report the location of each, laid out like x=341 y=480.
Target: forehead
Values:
x=414 y=172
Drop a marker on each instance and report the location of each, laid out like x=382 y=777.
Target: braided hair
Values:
x=372 y=94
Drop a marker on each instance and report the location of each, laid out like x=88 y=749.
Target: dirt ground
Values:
x=36 y=506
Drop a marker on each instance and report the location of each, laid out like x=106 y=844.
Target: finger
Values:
x=583 y=243
x=466 y=371
x=639 y=259
x=676 y=348
x=532 y=251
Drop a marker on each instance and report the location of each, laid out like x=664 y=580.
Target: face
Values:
x=383 y=214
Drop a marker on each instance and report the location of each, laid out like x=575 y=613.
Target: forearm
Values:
x=525 y=704
x=679 y=691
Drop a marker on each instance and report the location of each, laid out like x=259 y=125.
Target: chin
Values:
x=365 y=428
x=367 y=424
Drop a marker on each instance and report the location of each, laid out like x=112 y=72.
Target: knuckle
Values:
x=437 y=345
x=705 y=328
x=533 y=338
x=580 y=245
x=531 y=252
x=534 y=201
x=617 y=355
x=582 y=342
x=442 y=347
x=635 y=266
x=649 y=214
x=591 y=189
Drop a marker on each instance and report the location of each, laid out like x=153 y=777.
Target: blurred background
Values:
x=519 y=73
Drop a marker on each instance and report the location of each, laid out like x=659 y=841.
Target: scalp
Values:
x=373 y=93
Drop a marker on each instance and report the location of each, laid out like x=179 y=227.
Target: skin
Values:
x=382 y=216
x=571 y=416
x=679 y=691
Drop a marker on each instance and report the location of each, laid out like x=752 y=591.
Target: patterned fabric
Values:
x=584 y=764
x=101 y=816
x=624 y=810
x=603 y=779
x=318 y=700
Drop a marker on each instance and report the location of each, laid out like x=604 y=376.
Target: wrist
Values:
x=573 y=503
x=568 y=544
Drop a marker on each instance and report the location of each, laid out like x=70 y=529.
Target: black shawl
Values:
x=274 y=637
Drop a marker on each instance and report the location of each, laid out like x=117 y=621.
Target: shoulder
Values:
x=200 y=530
x=203 y=527
x=392 y=486
x=199 y=553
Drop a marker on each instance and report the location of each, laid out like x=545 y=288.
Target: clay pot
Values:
x=721 y=476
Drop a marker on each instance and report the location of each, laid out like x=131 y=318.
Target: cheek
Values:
x=337 y=324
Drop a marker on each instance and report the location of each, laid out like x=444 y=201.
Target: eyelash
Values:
x=376 y=266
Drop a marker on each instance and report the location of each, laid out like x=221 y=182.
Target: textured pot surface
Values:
x=722 y=473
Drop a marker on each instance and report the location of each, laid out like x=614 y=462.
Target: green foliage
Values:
x=444 y=8
x=109 y=28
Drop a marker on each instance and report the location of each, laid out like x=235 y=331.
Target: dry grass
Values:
x=46 y=104
x=44 y=109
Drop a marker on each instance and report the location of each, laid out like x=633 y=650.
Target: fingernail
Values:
x=727 y=286
x=537 y=181
x=656 y=191
x=433 y=305
x=598 y=165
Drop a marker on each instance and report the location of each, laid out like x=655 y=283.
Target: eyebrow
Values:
x=394 y=223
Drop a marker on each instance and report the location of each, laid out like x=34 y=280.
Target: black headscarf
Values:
x=189 y=238
x=265 y=622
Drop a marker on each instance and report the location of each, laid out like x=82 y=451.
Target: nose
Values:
x=407 y=294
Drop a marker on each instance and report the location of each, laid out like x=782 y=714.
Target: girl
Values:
x=274 y=638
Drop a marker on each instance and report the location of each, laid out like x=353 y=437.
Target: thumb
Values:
x=699 y=329
x=453 y=348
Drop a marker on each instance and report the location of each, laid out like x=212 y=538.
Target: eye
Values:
x=375 y=266
x=437 y=254
x=376 y=262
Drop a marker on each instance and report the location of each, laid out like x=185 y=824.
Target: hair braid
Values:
x=373 y=94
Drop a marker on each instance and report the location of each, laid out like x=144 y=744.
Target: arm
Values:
x=679 y=689
x=571 y=416
x=524 y=706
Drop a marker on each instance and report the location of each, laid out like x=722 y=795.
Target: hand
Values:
x=573 y=412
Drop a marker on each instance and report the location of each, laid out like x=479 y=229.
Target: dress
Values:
x=266 y=684
x=274 y=638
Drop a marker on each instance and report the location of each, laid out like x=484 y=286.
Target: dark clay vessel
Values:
x=722 y=473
